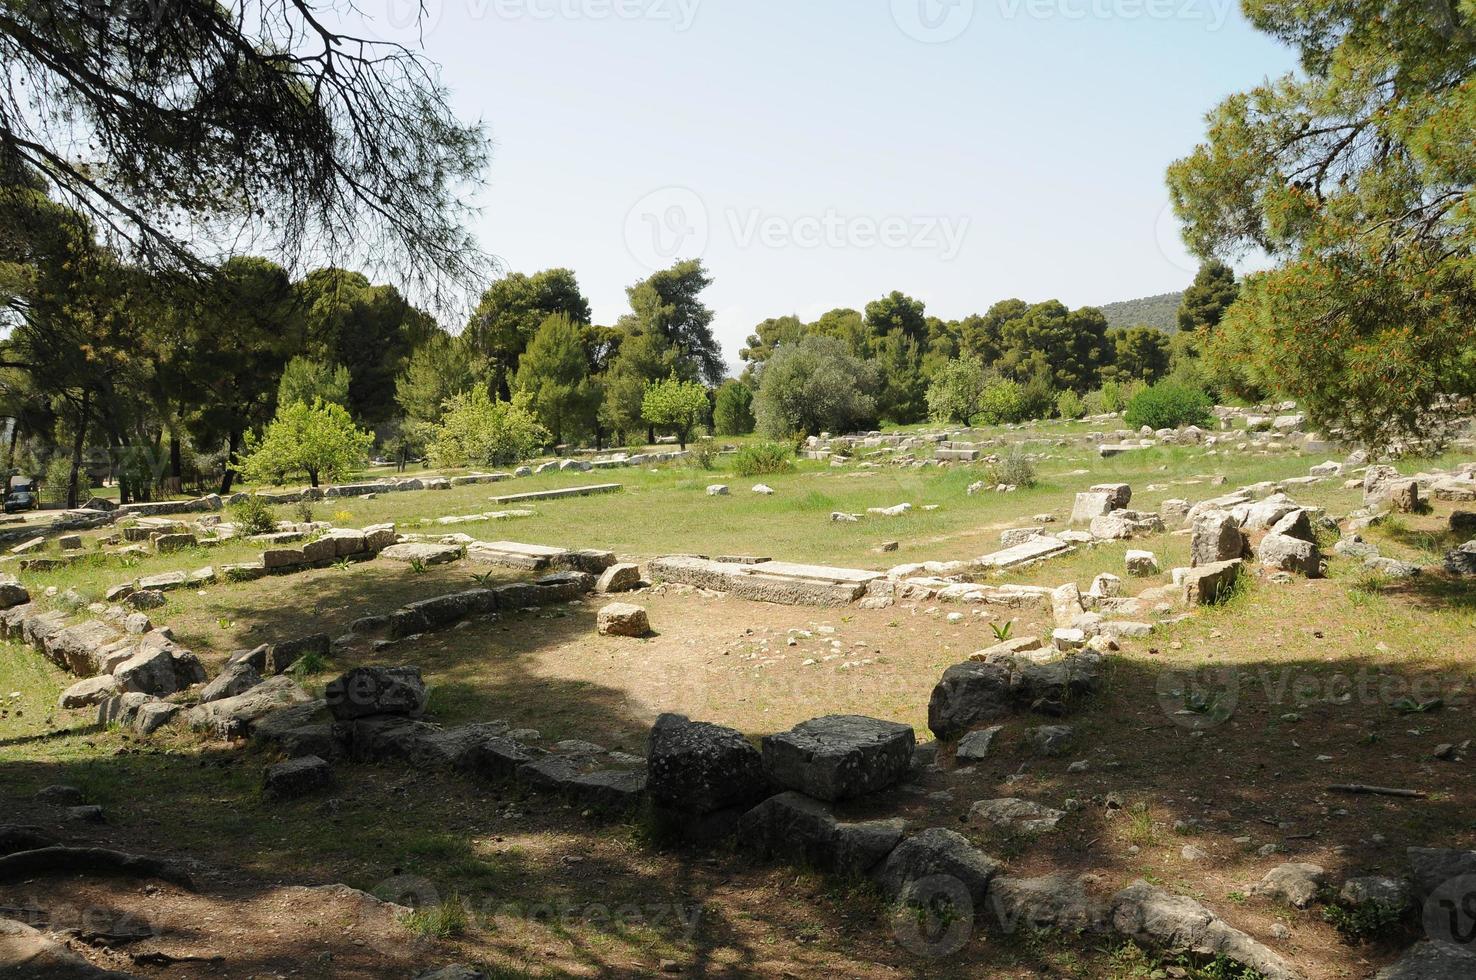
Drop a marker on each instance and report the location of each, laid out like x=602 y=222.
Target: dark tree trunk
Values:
x=175 y=466
x=233 y=442
x=313 y=477
x=77 y=443
x=14 y=435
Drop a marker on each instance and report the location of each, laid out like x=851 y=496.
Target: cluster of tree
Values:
x=530 y=343
x=156 y=379
x=894 y=363
x=162 y=376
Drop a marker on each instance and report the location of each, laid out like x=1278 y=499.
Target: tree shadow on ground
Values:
x=1171 y=759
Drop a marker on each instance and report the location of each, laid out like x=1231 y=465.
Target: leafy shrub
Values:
x=703 y=455
x=1002 y=401
x=251 y=515
x=1015 y=470
x=304 y=511
x=1168 y=405
x=732 y=415
x=1069 y=405
x=676 y=405
x=320 y=440
x=58 y=476
x=956 y=391
x=1037 y=398
x=763 y=458
x=476 y=431
x=814 y=386
x=1365 y=921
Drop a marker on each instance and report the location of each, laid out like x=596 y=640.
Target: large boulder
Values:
x=1154 y=917
x=839 y=756
x=1090 y=505
x=148 y=672
x=700 y=768
x=1285 y=553
x=1216 y=537
x=1430 y=959
x=1378 y=480
x=235 y=717
x=1208 y=584
x=1014 y=814
x=439 y=612
x=233 y=679
x=619 y=578
x=366 y=691
x=76 y=647
x=297 y=777
x=1295 y=884
x=968 y=693
x=914 y=867
x=1462 y=560
x=1264 y=513
x=794 y=826
x=622 y=619
x=93 y=690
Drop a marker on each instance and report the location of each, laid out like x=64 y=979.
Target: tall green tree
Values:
x=369 y=329
x=439 y=369
x=510 y=312
x=1355 y=175
x=554 y=377
x=1206 y=300
x=1138 y=354
x=223 y=350
x=676 y=405
x=732 y=411
x=306 y=381
x=669 y=304
x=319 y=440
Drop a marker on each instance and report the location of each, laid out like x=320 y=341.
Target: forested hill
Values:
x=1160 y=311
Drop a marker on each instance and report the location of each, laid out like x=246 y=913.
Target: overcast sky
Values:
x=819 y=153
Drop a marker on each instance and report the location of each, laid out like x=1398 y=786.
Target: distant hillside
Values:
x=1160 y=311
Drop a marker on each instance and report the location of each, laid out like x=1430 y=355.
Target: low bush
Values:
x=252 y=515
x=763 y=458
x=1069 y=405
x=1168 y=405
x=1015 y=469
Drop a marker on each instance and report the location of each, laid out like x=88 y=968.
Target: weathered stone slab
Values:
x=794 y=826
x=1036 y=549
x=780 y=582
x=839 y=756
x=422 y=551
x=585 y=491
x=514 y=554
x=700 y=768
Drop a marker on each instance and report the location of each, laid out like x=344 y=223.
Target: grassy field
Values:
x=1330 y=675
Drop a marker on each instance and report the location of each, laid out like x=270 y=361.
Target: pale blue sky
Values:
x=818 y=153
